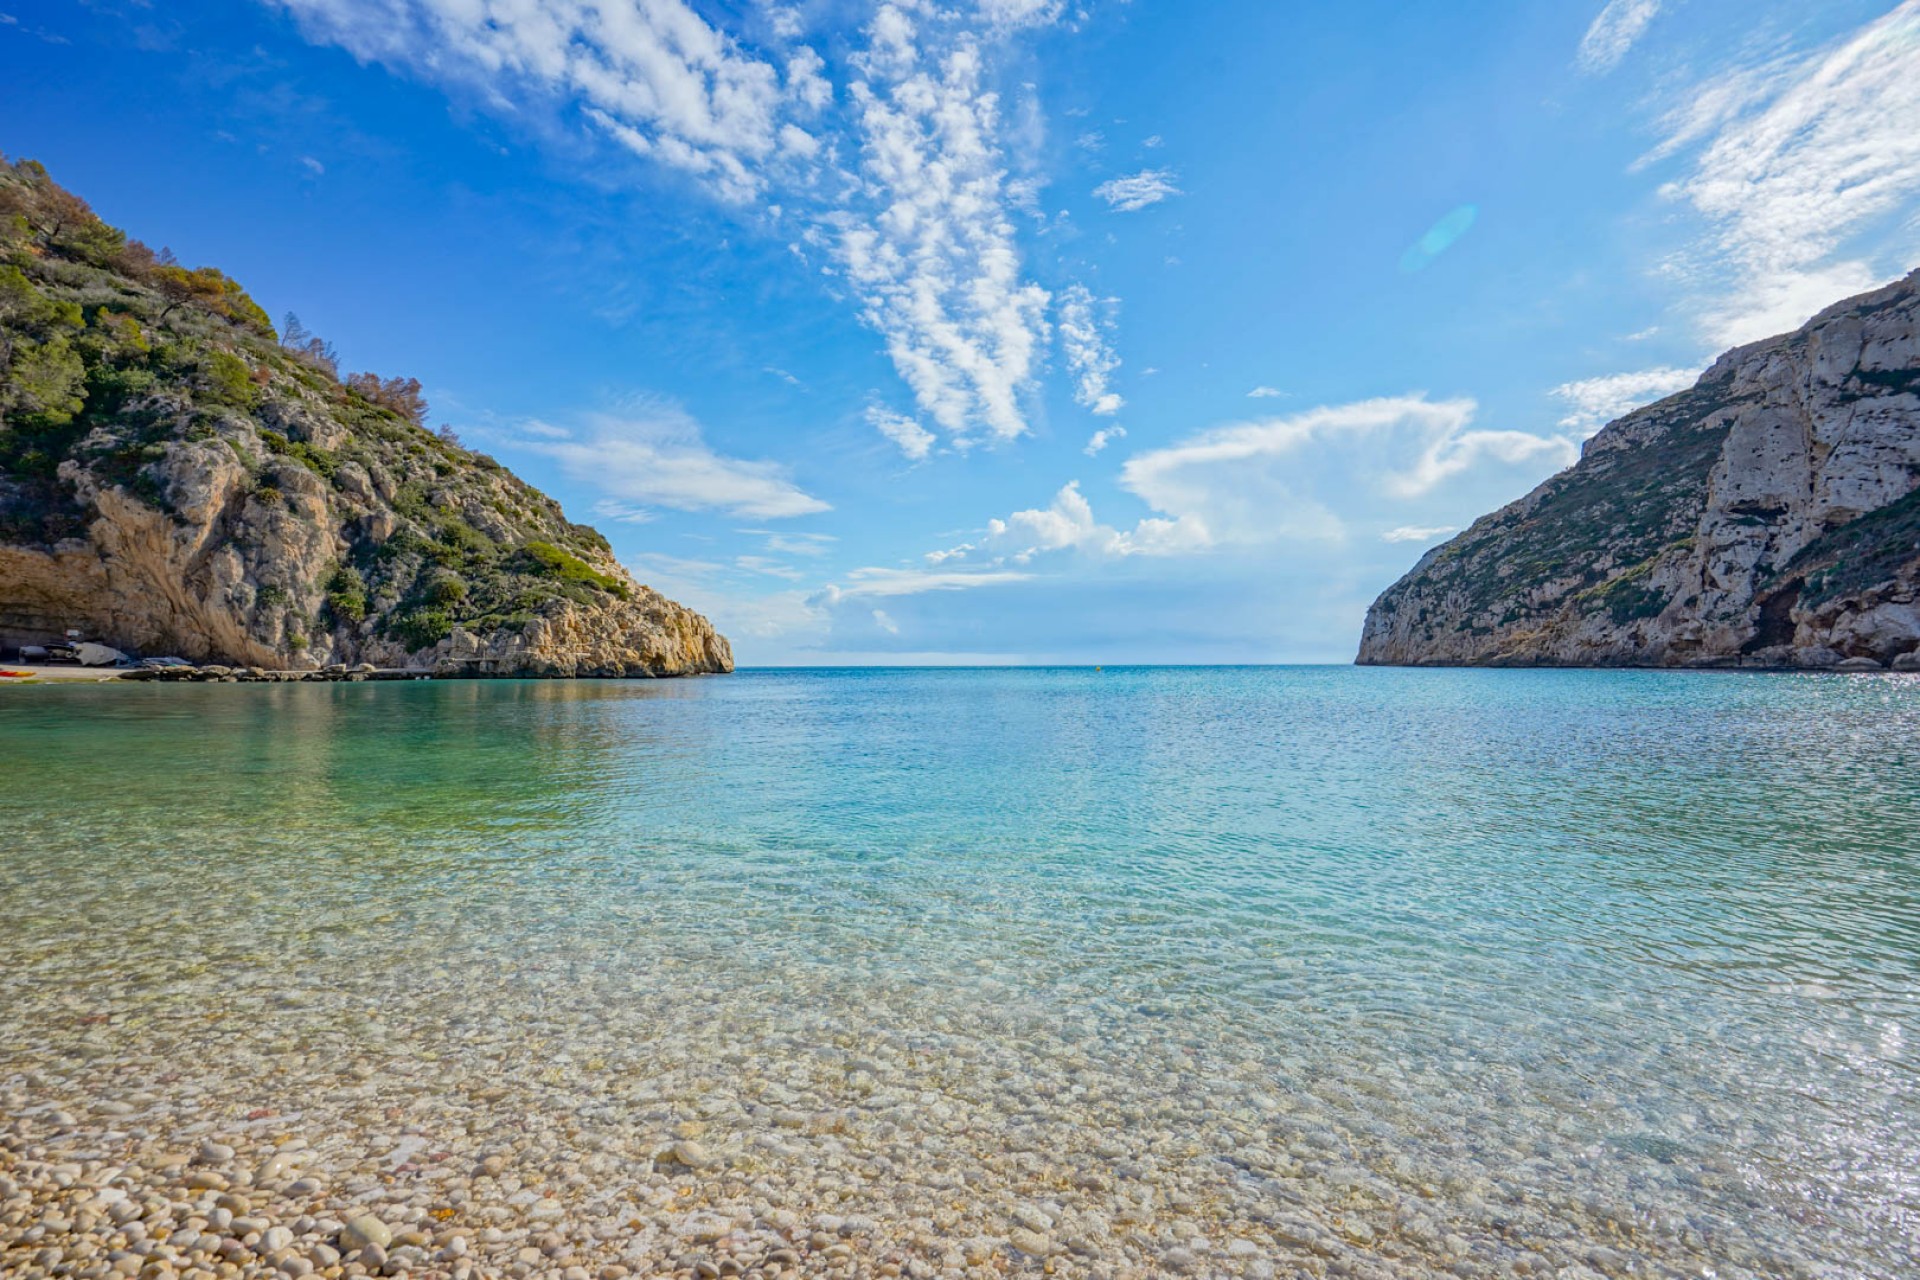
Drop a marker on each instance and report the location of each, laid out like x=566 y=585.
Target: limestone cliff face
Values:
x=174 y=480
x=225 y=575
x=1768 y=516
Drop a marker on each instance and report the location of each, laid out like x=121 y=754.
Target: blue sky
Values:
x=1007 y=330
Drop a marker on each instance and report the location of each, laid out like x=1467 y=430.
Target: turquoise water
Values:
x=1353 y=971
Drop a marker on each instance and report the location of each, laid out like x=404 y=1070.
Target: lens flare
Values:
x=1440 y=237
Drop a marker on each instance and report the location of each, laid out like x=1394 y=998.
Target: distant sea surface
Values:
x=1418 y=970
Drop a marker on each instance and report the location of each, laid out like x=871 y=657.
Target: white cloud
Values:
x=883 y=620
x=1090 y=358
x=622 y=512
x=660 y=571
x=313 y=166
x=655 y=456
x=785 y=21
x=929 y=245
x=795 y=544
x=1136 y=192
x=1068 y=524
x=1102 y=438
x=919 y=226
x=656 y=77
x=1614 y=32
x=1265 y=393
x=1275 y=478
x=1448 y=455
x=1417 y=533
x=915 y=441
x=798 y=141
x=878 y=583
x=1708 y=106
x=1801 y=157
x=805 y=81
x=1007 y=15
x=767 y=567
x=1154 y=142
x=1594 y=402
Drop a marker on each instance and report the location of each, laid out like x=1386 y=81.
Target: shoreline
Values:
x=217 y=674
x=41 y=674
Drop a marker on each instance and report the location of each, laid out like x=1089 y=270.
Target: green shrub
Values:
x=347 y=594
x=322 y=462
x=46 y=384
x=226 y=379
x=420 y=628
x=543 y=559
x=461 y=543
x=445 y=588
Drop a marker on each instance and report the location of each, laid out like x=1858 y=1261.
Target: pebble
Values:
x=691 y=1154
x=1030 y=1242
x=453 y=1112
x=363 y=1231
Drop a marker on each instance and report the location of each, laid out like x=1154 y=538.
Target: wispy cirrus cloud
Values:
x=1417 y=533
x=1085 y=332
x=881 y=583
x=653 y=454
x=928 y=242
x=1799 y=157
x=898 y=173
x=1285 y=478
x=912 y=439
x=1012 y=15
x=782 y=542
x=657 y=78
x=1594 y=402
x=1135 y=192
x=1614 y=32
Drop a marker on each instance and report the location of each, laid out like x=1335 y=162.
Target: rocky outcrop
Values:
x=174 y=480
x=1769 y=516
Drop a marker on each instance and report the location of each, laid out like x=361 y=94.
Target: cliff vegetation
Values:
x=178 y=476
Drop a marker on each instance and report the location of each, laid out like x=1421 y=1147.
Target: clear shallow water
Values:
x=1349 y=971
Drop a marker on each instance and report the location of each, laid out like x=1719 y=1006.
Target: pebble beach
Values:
x=755 y=977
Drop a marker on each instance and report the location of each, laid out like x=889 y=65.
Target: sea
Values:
x=1237 y=971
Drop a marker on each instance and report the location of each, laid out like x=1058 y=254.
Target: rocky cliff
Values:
x=1769 y=516
x=175 y=478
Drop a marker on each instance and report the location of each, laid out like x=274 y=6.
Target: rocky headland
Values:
x=1769 y=517
x=177 y=478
